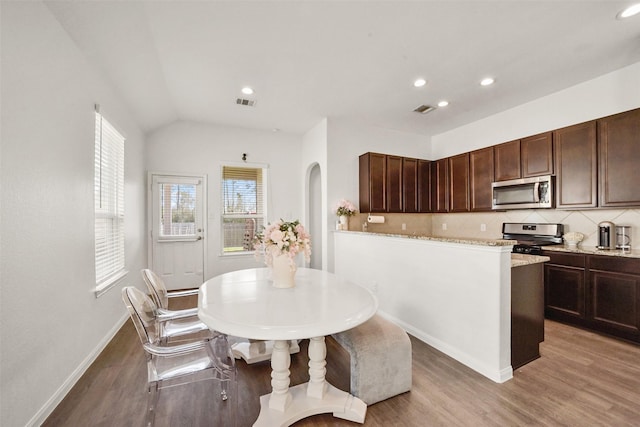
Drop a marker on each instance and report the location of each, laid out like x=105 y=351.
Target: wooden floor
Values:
x=582 y=379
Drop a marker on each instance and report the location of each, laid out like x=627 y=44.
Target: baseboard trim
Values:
x=40 y=417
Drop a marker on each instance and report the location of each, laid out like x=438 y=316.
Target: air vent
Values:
x=247 y=102
x=424 y=109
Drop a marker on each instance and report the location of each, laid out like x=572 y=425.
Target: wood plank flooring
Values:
x=582 y=379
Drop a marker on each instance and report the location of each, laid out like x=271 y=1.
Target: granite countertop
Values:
x=592 y=250
x=461 y=240
x=518 y=260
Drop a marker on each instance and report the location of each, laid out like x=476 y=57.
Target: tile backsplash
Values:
x=489 y=225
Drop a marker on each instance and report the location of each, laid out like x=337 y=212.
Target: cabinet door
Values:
x=507 y=158
x=615 y=303
x=575 y=151
x=459 y=183
x=619 y=157
x=394 y=184
x=373 y=178
x=481 y=176
x=424 y=186
x=410 y=185
x=536 y=153
x=440 y=185
x=564 y=289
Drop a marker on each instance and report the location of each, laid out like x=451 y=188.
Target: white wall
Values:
x=455 y=297
x=314 y=152
x=196 y=148
x=608 y=94
x=52 y=323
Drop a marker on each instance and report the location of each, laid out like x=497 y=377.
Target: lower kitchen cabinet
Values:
x=598 y=292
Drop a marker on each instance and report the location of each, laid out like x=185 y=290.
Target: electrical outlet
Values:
x=444 y=225
x=483 y=227
x=404 y=226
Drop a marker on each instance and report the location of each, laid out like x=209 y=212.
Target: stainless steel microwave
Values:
x=526 y=193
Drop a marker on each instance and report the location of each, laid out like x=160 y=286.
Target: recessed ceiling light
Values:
x=420 y=82
x=443 y=103
x=629 y=11
x=247 y=90
x=486 y=82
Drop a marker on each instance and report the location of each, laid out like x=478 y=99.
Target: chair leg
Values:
x=152 y=400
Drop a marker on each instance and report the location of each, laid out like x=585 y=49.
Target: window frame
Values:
x=109 y=209
x=224 y=216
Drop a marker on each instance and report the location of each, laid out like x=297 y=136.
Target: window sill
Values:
x=237 y=254
x=104 y=287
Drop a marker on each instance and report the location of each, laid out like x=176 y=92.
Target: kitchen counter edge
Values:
x=592 y=250
x=461 y=240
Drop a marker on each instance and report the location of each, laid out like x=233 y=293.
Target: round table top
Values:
x=244 y=303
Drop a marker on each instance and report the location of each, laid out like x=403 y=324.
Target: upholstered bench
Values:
x=380 y=359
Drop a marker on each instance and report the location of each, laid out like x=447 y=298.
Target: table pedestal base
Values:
x=341 y=404
x=259 y=351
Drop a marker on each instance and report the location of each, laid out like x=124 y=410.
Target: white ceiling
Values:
x=188 y=60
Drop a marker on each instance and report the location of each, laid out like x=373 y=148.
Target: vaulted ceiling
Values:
x=305 y=60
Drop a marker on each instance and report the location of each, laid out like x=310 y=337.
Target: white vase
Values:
x=282 y=272
x=344 y=222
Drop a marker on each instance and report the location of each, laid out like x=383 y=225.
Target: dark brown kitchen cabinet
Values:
x=614 y=296
x=536 y=155
x=481 y=168
x=424 y=186
x=507 y=161
x=564 y=287
x=410 y=185
x=373 y=182
x=598 y=292
x=575 y=152
x=459 y=183
x=619 y=157
x=394 y=184
x=440 y=185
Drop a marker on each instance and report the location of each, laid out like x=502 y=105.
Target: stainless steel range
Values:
x=532 y=236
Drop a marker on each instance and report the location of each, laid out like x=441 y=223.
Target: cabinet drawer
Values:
x=615 y=264
x=566 y=259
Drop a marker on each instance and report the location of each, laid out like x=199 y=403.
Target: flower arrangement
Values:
x=345 y=208
x=283 y=238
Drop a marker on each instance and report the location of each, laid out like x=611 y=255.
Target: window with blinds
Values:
x=243 y=207
x=109 y=203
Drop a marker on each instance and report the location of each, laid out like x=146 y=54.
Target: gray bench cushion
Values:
x=380 y=359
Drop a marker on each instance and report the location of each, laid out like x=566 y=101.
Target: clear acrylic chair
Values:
x=173 y=323
x=169 y=365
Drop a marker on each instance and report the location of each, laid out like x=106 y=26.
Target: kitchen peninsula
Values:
x=452 y=293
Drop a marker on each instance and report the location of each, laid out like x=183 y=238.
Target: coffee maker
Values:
x=623 y=237
x=606 y=235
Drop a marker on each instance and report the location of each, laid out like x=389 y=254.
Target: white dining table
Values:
x=245 y=304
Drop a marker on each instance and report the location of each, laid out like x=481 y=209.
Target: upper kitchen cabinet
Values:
x=575 y=152
x=523 y=158
x=481 y=167
x=373 y=182
x=410 y=185
x=440 y=185
x=459 y=183
x=537 y=155
x=394 y=184
x=424 y=185
x=619 y=159
x=507 y=161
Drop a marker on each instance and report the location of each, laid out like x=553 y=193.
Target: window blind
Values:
x=109 y=201
x=243 y=206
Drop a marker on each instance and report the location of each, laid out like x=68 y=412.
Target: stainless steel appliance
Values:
x=532 y=237
x=623 y=237
x=606 y=235
x=525 y=193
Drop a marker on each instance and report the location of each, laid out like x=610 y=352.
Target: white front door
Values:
x=177 y=231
